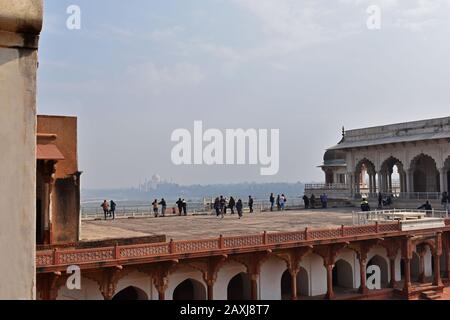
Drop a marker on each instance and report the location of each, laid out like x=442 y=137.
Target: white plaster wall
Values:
x=225 y=274
x=380 y=251
x=428 y=262
x=350 y=256
x=398 y=267
x=17 y=174
x=90 y=290
x=317 y=272
x=139 y=280
x=270 y=279
x=181 y=275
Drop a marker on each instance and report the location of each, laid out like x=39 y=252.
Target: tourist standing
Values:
x=217 y=207
x=272 y=201
x=179 y=204
x=184 y=206
x=163 y=205
x=231 y=204
x=324 y=200
x=312 y=201
x=306 y=201
x=380 y=200
x=222 y=205
x=278 y=203
x=239 y=207
x=105 y=206
x=155 y=208
x=250 y=203
x=112 y=209
x=282 y=202
x=445 y=200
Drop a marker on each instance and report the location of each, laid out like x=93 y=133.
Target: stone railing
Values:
x=186 y=248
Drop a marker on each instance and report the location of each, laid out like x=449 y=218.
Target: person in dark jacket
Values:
x=365 y=207
x=163 y=205
x=239 y=207
x=217 y=207
x=380 y=200
x=279 y=203
x=272 y=201
x=426 y=206
x=306 y=201
x=312 y=201
x=112 y=209
x=250 y=203
x=179 y=204
x=232 y=204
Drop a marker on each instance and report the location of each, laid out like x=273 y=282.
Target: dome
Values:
x=332 y=155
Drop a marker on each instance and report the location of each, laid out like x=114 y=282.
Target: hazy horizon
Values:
x=136 y=71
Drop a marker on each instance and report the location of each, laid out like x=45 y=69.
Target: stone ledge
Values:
x=21 y=16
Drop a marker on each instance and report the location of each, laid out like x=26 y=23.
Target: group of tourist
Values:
x=109 y=209
x=181 y=205
x=280 y=202
x=310 y=203
x=222 y=204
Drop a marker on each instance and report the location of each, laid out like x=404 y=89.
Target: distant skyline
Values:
x=138 y=70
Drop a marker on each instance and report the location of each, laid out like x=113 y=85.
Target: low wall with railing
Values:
x=59 y=259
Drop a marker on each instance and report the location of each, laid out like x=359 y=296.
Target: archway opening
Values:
x=393 y=177
x=379 y=261
x=302 y=284
x=130 y=293
x=365 y=178
x=425 y=174
x=239 y=287
x=415 y=268
x=342 y=275
x=189 y=290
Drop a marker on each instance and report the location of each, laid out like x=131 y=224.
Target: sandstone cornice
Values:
x=20 y=23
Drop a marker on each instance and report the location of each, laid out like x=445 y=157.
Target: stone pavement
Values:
x=203 y=227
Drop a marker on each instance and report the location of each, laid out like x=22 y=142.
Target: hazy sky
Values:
x=137 y=70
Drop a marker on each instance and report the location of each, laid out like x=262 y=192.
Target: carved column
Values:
x=437 y=260
x=294 y=274
x=443 y=178
x=362 y=256
x=421 y=252
x=254 y=286
x=392 y=251
x=447 y=256
x=407 y=256
x=330 y=291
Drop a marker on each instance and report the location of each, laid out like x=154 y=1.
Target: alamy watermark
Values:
x=231 y=147
x=374 y=19
x=73 y=21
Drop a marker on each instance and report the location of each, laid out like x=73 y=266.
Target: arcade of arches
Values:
x=280 y=276
x=422 y=174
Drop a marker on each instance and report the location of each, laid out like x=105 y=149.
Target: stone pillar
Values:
x=20 y=26
x=294 y=274
x=443 y=178
x=380 y=182
x=210 y=288
x=362 y=272
x=407 y=272
x=254 y=286
x=421 y=254
x=392 y=283
x=330 y=292
x=437 y=260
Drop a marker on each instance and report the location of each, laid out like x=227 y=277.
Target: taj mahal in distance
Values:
x=398 y=250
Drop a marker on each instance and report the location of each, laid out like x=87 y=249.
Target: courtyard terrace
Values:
x=203 y=227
